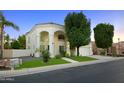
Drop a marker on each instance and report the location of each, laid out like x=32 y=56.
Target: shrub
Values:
x=58 y=56
x=37 y=50
x=102 y=52
x=67 y=55
x=45 y=55
x=63 y=53
x=114 y=54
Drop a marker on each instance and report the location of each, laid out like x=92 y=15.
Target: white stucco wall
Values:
x=85 y=50
x=31 y=42
x=10 y=53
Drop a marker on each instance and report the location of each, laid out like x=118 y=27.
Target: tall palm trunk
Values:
x=2 y=48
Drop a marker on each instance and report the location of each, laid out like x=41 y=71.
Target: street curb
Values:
x=13 y=73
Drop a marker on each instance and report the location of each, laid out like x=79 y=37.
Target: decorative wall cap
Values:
x=49 y=23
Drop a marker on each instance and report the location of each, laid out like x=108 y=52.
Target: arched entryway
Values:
x=44 y=40
x=59 y=42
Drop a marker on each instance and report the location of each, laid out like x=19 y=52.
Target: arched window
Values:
x=61 y=37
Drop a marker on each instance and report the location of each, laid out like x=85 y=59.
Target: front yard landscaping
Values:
x=39 y=63
x=53 y=61
x=82 y=58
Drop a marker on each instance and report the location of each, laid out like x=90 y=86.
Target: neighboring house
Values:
x=51 y=36
x=117 y=48
x=121 y=44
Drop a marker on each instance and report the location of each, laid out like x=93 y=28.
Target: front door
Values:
x=61 y=49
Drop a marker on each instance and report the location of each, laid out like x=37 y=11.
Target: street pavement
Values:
x=109 y=72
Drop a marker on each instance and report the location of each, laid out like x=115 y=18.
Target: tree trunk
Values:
x=2 y=42
x=71 y=52
x=105 y=52
x=78 y=51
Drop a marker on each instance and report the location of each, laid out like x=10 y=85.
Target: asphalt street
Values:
x=110 y=72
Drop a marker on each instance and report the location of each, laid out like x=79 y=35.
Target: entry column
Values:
x=51 y=44
x=37 y=54
x=38 y=41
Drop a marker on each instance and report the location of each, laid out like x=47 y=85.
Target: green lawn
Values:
x=38 y=63
x=82 y=58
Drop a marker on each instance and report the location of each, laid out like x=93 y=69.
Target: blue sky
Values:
x=26 y=19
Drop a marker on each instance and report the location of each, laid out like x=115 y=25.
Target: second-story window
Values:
x=61 y=37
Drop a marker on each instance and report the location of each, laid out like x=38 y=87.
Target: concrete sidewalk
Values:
x=103 y=57
x=12 y=73
x=69 y=60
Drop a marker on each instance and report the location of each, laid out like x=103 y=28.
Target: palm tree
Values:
x=5 y=23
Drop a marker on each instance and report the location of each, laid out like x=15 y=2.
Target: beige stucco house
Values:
x=51 y=36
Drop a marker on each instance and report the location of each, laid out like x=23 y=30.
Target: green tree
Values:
x=78 y=31
x=103 y=34
x=7 y=38
x=7 y=44
x=5 y=23
x=22 y=41
x=15 y=44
